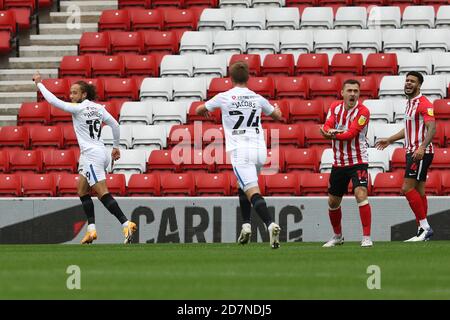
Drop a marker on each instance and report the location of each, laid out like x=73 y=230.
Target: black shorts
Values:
x=418 y=169
x=340 y=178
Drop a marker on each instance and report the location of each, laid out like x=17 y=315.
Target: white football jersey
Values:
x=241 y=117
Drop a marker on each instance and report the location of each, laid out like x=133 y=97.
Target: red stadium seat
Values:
x=223 y=162
x=116 y=184
x=302 y=160
x=313 y=136
x=325 y=87
x=291 y=134
x=177 y=184
x=144 y=19
x=161 y=160
x=314 y=184
x=168 y=3
x=212 y=133
x=121 y=88
x=14 y=137
x=126 y=42
x=388 y=184
x=433 y=185
x=368 y=85
x=59 y=160
x=195 y=160
x=212 y=184
x=278 y=64
x=67 y=184
x=160 y=41
x=439 y=137
x=59 y=116
x=144 y=65
x=446 y=125
x=445 y=183
x=113 y=108
x=46 y=136
x=23 y=16
x=70 y=138
x=59 y=87
x=75 y=66
x=306 y=110
x=276 y=159
x=382 y=63
x=5 y=42
x=10 y=185
x=441 y=109
x=201 y=3
x=96 y=82
x=144 y=185
x=253 y=61
x=368 y=3
x=284 y=108
x=114 y=20
x=4 y=161
x=441 y=160
x=218 y=85
x=95 y=43
x=316 y=63
x=291 y=87
x=180 y=19
x=29 y=4
x=134 y=4
x=107 y=66
x=8 y=21
x=38 y=185
x=347 y=63
x=262 y=85
x=25 y=160
x=181 y=134
x=282 y=184
x=398 y=161
x=214 y=117
x=34 y=113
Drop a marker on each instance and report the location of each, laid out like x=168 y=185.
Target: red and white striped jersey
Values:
x=418 y=111
x=350 y=147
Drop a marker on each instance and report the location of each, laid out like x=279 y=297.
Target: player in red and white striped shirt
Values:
x=346 y=125
x=419 y=131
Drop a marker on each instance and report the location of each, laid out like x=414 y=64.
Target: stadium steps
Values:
x=64 y=28
x=17 y=97
x=85 y=17
x=9 y=109
x=26 y=74
x=55 y=39
x=17 y=85
x=86 y=6
x=35 y=62
x=48 y=51
x=8 y=120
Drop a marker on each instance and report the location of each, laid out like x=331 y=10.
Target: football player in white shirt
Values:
x=87 y=118
x=244 y=140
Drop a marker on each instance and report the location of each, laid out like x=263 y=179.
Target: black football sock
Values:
x=88 y=207
x=246 y=206
x=111 y=204
x=261 y=208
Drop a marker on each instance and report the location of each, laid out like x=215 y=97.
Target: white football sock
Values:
x=125 y=224
x=91 y=227
x=424 y=224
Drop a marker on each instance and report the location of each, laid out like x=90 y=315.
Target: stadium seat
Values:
x=162 y=160
x=150 y=138
x=126 y=42
x=75 y=66
x=116 y=184
x=434 y=87
x=351 y=17
x=388 y=184
x=59 y=160
x=296 y=42
x=301 y=160
x=214 y=117
x=167 y=3
x=25 y=160
x=180 y=19
x=131 y=161
x=262 y=85
x=313 y=136
x=34 y=113
x=441 y=64
x=278 y=64
x=176 y=66
x=233 y=3
x=433 y=185
x=317 y=18
x=10 y=185
x=365 y=41
x=282 y=184
x=418 y=17
x=378 y=161
x=399 y=40
x=116 y=88
x=177 y=185
x=8 y=21
x=263 y=41
x=134 y=4
x=160 y=41
x=222 y=163
x=314 y=184
x=441 y=160
x=347 y=63
x=157 y=88
x=170 y=112
x=253 y=61
x=215 y=19
x=385 y=130
x=249 y=18
x=194 y=89
x=114 y=20
x=284 y=108
x=291 y=87
x=14 y=137
x=136 y=113
x=107 y=66
x=306 y=110
x=384 y=17
x=292 y=134
x=420 y=62
x=439 y=136
x=126 y=136
x=380 y=110
x=315 y=63
x=94 y=43
x=399 y=109
x=442 y=15
x=445 y=183
x=433 y=40
x=4 y=161
x=70 y=138
x=392 y=87
x=282 y=18
x=193 y=160
x=382 y=63
x=24 y=16
x=233 y=41
x=212 y=184
x=441 y=109
x=209 y=65
x=212 y=134
x=275 y=162
x=330 y=41
x=38 y=185
x=398 y=160
x=59 y=87
x=46 y=136
x=218 y=85
x=196 y=42
x=67 y=184
x=144 y=65
x=145 y=19
x=144 y=185
x=181 y=135
x=325 y=86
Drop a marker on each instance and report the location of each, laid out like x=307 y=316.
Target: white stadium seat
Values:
x=441 y=62
x=443 y=17
x=157 y=88
x=418 y=17
x=249 y=18
x=215 y=19
x=369 y=41
x=210 y=65
x=263 y=41
x=434 y=87
x=196 y=42
x=136 y=112
x=330 y=41
x=149 y=137
x=282 y=18
x=327 y=160
x=378 y=161
x=433 y=40
x=126 y=136
x=351 y=17
x=384 y=17
x=231 y=41
x=240 y=3
x=399 y=109
x=194 y=89
x=420 y=62
x=169 y=112
x=392 y=87
x=176 y=66
x=317 y=17
x=385 y=130
x=268 y=3
x=380 y=110
x=399 y=40
x=131 y=161
x=301 y=41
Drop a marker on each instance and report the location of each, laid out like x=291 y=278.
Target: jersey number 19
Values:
x=94 y=128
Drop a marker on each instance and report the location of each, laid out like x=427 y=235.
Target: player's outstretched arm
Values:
x=51 y=98
x=382 y=144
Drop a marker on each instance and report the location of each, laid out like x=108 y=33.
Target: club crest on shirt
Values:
x=362 y=120
x=430 y=112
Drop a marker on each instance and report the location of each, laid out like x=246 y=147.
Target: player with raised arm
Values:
x=87 y=118
x=244 y=138
x=419 y=131
x=346 y=124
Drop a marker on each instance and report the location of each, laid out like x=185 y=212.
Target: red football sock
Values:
x=365 y=214
x=416 y=204
x=425 y=204
x=335 y=218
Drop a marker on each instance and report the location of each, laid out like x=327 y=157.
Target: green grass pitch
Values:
x=226 y=271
